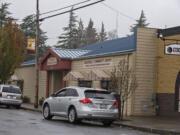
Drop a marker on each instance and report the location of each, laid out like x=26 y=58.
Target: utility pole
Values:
x=117 y=24
x=37 y=57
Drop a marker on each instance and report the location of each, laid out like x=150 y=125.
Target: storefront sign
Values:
x=173 y=49
x=98 y=62
x=52 y=61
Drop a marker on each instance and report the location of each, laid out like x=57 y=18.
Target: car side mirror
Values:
x=53 y=95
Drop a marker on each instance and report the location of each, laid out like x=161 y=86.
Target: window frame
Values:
x=60 y=91
x=108 y=84
x=85 y=85
x=74 y=92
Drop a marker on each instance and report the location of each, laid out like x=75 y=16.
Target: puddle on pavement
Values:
x=4 y=132
x=9 y=120
x=33 y=123
x=32 y=119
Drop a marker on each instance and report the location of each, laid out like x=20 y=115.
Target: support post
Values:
x=47 y=84
x=64 y=82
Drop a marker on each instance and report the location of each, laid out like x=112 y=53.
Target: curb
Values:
x=30 y=109
x=150 y=130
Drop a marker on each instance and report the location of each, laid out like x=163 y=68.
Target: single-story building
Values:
x=157 y=73
x=168 y=72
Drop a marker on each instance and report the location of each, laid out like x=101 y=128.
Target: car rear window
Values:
x=99 y=94
x=11 y=90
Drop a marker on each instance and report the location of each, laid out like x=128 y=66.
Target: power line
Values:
x=51 y=11
x=42 y=19
x=127 y=16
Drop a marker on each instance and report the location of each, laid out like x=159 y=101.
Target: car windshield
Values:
x=99 y=94
x=11 y=90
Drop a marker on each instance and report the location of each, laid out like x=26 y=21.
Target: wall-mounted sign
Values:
x=52 y=61
x=98 y=62
x=173 y=49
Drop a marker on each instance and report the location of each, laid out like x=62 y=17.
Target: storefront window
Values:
x=105 y=84
x=85 y=84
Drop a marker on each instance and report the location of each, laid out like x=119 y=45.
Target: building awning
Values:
x=75 y=76
x=94 y=75
x=98 y=75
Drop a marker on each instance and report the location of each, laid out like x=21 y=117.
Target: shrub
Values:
x=26 y=99
x=41 y=100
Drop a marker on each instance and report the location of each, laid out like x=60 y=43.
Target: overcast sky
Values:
x=159 y=13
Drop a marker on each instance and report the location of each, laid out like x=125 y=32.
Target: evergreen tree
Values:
x=4 y=14
x=81 y=35
x=112 y=35
x=69 y=38
x=141 y=22
x=29 y=28
x=91 y=34
x=102 y=34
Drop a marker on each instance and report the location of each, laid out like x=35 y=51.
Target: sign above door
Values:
x=51 y=61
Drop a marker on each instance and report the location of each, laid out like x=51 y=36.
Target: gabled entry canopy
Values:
x=52 y=61
x=59 y=59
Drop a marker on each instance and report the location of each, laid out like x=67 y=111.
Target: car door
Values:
x=66 y=100
x=71 y=98
x=60 y=102
x=53 y=102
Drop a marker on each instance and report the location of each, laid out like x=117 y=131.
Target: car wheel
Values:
x=107 y=123
x=18 y=106
x=72 y=115
x=46 y=112
x=7 y=106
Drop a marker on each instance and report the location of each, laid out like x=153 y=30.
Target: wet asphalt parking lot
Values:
x=22 y=122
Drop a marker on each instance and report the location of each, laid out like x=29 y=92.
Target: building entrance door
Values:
x=55 y=81
x=177 y=93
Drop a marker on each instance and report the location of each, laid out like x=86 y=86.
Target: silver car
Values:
x=77 y=103
x=10 y=96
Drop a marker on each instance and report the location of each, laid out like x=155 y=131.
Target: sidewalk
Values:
x=31 y=107
x=154 y=124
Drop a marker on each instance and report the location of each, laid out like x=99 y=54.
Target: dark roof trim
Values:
x=169 y=31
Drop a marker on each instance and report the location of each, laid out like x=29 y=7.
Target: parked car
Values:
x=10 y=96
x=77 y=103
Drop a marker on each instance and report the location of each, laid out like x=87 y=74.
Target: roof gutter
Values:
x=106 y=54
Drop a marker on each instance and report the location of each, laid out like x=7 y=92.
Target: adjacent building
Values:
x=168 y=72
